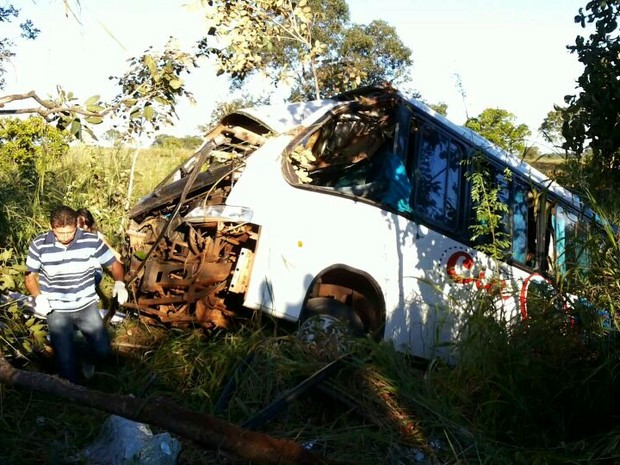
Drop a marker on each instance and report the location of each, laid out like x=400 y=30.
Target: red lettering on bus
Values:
x=467 y=262
x=492 y=286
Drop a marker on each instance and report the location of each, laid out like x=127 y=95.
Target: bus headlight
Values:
x=219 y=213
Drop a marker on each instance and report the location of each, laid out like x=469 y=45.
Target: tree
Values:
x=371 y=54
x=309 y=44
x=551 y=128
x=441 y=108
x=498 y=126
x=29 y=152
x=226 y=107
x=171 y=142
x=592 y=116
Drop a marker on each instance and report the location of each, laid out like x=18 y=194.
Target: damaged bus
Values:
x=354 y=209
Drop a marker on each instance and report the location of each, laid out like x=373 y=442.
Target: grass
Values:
x=194 y=370
x=506 y=404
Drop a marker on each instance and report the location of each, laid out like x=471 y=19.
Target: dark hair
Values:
x=85 y=220
x=63 y=216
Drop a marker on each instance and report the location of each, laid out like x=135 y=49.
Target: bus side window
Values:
x=550 y=240
x=437 y=178
x=519 y=226
x=571 y=235
x=533 y=214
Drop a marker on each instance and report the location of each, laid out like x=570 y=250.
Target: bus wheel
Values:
x=327 y=327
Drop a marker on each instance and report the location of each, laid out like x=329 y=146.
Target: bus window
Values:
x=570 y=240
x=517 y=228
x=519 y=225
x=533 y=214
x=356 y=156
x=437 y=178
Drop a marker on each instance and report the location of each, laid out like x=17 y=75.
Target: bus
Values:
x=355 y=209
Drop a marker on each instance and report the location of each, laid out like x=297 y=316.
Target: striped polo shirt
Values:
x=67 y=273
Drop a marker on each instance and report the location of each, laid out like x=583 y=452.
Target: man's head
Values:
x=85 y=220
x=63 y=221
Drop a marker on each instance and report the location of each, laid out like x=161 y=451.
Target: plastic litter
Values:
x=126 y=442
x=159 y=450
x=26 y=303
x=118 y=317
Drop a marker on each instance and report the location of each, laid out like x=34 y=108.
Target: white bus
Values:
x=356 y=207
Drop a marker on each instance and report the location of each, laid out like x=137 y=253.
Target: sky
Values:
x=508 y=54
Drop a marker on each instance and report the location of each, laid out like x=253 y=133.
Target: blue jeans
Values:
x=61 y=327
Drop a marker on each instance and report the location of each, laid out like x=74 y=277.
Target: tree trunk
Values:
x=206 y=430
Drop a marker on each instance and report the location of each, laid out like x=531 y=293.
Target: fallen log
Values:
x=206 y=430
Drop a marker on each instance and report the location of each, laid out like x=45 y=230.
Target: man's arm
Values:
x=31 y=281
x=117 y=271
x=119 y=291
x=41 y=304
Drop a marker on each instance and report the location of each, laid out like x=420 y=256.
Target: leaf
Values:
x=149 y=113
x=36 y=327
x=94 y=108
x=76 y=125
x=94 y=120
x=90 y=132
x=150 y=64
x=92 y=100
x=5 y=255
x=176 y=83
x=7 y=282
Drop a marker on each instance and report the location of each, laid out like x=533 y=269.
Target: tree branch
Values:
x=47 y=107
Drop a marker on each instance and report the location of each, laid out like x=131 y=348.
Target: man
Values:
x=60 y=275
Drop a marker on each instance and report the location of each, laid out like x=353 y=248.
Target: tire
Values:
x=336 y=309
x=328 y=326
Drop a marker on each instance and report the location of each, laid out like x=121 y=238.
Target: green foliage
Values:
x=149 y=92
x=348 y=63
x=26 y=141
x=599 y=282
x=226 y=107
x=544 y=383
x=308 y=44
x=441 y=108
x=171 y=142
x=19 y=336
x=30 y=151
x=498 y=126
x=151 y=88
x=490 y=211
x=97 y=179
x=551 y=128
x=591 y=117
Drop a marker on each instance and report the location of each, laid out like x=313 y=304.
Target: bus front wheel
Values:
x=328 y=326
